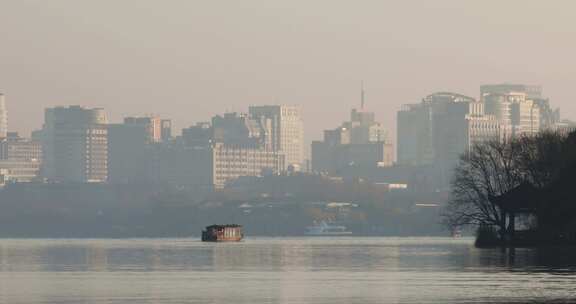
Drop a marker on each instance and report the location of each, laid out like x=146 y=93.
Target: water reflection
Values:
x=351 y=270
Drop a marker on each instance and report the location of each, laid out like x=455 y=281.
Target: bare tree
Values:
x=488 y=170
x=541 y=157
x=493 y=168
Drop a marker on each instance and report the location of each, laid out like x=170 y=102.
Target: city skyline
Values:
x=195 y=62
x=309 y=138
x=302 y=151
x=81 y=145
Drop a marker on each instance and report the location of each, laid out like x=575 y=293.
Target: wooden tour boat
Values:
x=222 y=233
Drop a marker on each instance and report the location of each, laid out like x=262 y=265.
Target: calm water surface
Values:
x=278 y=270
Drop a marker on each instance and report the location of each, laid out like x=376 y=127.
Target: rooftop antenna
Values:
x=362 y=95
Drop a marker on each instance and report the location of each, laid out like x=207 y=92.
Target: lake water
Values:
x=281 y=270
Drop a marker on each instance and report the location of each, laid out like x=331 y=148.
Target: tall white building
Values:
x=287 y=130
x=75 y=145
x=3 y=117
x=515 y=106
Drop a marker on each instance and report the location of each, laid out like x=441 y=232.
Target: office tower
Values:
x=152 y=124
x=358 y=143
x=457 y=127
x=521 y=109
x=20 y=159
x=517 y=115
x=186 y=166
x=3 y=117
x=199 y=135
x=364 y=128
x=287 y=130
x=437 y=131
x=130 y=154
x=17 y=171
x=231 y=162
x=525 y=118
x=549 y=117
x=209 y=155
x=214 y=165
x=14 y=147
x=166 y=133
x=75 y=145
x=240 y=129
x=414 y=135
x=36 y=136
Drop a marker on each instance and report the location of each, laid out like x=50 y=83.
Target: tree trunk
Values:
x=502 y=228
x=512 y=226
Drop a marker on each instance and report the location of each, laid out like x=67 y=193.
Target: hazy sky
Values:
x=187 y=60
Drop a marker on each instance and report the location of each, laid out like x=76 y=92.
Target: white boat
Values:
x=325 y=229
x=457 y=233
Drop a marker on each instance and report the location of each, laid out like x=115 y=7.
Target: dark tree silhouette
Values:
x=487 y=171
x=492 y=169
x=540 y=158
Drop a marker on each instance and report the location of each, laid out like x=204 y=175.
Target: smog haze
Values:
x=187 y=60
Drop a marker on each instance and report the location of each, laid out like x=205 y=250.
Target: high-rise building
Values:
x=437 y=131
x=20 y=159
x=242 y=130
x=209 y=155
x=75 y=145
x=414 y=135
x=457 y=127
x=213 y=166
x=17 y=171
x=286 y=130
x=183 y=165
x=549 y=117
x=199 y=135
x=14 y=147
x=231 y=162
x=364 y=128
x=525 y=118
x=152 y=124
x=520 y=109
x=131 y=156
x=166 y=133
x=359 y=143
x=3 y=117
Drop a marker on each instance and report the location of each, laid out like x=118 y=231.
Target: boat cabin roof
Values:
x=224 y=226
